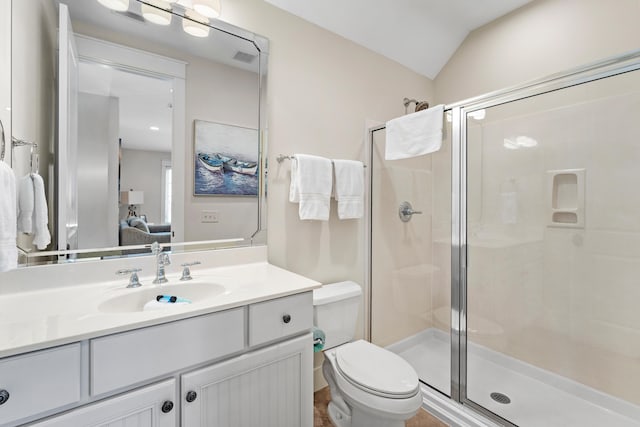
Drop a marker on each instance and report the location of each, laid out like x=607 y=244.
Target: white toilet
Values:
x=370 y=386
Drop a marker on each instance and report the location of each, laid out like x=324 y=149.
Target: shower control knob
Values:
x=191 y=396
x=286 y=318
x=4 y=396
x=405 y=212
x=167 y=406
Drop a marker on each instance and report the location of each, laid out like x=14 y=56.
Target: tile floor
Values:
x=321 y=417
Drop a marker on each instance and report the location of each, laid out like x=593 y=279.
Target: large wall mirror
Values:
x=140 y=121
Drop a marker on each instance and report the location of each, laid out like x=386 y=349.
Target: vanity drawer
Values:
x=282 y=317
x=40 y=381
x=131 y=357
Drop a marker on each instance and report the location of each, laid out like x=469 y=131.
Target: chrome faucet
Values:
x=162 y=259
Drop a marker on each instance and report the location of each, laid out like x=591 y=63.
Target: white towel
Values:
x=41 y=237
x=311 y=181
x=414 y=134
x=349 y=188
x=25 y=204
x=8 y=219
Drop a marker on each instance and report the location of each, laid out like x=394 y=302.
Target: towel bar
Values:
x=281 y=158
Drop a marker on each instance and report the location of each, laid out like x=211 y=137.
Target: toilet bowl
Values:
x=370 y=386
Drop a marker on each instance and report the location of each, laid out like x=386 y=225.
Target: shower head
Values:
x=408 y=101
x=420 y=105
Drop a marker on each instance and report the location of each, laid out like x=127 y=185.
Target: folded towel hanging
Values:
x=349 y=188
x=311 y=182
x=26 y=204
x=41 y=237
x=8 y=219
x=414 y=134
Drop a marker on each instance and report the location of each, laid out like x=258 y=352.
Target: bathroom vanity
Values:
x=88 y=354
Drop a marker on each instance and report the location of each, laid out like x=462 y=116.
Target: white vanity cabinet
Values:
x=247 y=366
x=267 y=388
x=151 y=406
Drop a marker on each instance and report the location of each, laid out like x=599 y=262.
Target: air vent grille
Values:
x=245 y=57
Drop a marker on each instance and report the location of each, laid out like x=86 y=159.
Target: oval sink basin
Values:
x=137 y=298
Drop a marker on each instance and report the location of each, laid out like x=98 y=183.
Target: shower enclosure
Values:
x=515 y=294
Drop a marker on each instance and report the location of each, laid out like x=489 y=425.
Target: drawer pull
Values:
x=286 y=318
x=167 y=406
x=4 y=396
x=191 y=396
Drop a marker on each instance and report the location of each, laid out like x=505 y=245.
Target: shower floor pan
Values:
x=538 y=398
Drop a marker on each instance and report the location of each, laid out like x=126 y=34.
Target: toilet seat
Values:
x=376 y=370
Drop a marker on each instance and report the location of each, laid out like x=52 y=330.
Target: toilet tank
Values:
x=335 y=311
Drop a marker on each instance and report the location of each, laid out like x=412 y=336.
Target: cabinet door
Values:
x=272 y=387
x=146 y=407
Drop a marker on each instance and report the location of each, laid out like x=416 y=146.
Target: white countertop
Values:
x=33 y=320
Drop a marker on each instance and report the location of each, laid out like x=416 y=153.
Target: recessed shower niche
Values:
x=566 y=198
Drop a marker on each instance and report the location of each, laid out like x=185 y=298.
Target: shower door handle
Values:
x=405 y=212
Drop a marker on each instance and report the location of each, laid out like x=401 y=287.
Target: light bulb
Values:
x=117 y=5
x=208 y=8
x=195 y=24
x=154 y=15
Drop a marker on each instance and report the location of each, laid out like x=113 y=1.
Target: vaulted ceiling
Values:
x=420 y=34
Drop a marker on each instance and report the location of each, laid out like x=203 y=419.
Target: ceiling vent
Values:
x=245 y=57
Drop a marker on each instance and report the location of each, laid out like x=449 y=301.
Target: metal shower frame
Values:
x=459 y=111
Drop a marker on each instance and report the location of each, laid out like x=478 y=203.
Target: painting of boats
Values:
x=211 y=163
x=226 y=160
x=238 y=166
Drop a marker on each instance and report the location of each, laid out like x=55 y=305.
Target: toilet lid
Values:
x=376 y=370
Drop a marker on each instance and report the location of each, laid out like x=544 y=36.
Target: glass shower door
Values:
x=411 y=261
x=553 y=256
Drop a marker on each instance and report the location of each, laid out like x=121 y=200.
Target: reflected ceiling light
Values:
x=195 y=25
x=519 y=142
x=478 y=115
x=154 y=128
x=118 y=5
x=208 y=8
x=160 y=14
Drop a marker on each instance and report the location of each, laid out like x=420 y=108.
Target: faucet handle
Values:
x=155 y=248
x=186 y=272
x=134 y=282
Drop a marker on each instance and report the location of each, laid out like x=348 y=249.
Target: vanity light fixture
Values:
x=157 y=12
x=208 y=8
x=154 y=128
x=196 y=24
x=117 y=5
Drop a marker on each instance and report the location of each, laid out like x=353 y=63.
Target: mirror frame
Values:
x=259 y=237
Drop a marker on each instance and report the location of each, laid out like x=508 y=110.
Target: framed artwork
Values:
x=226 y=160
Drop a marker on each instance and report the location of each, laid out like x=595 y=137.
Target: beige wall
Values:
x=321 y=89
x=221 y=94
x=541 y=38
x=33 y=103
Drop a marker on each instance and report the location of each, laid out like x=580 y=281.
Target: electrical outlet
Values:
x=209 y=217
